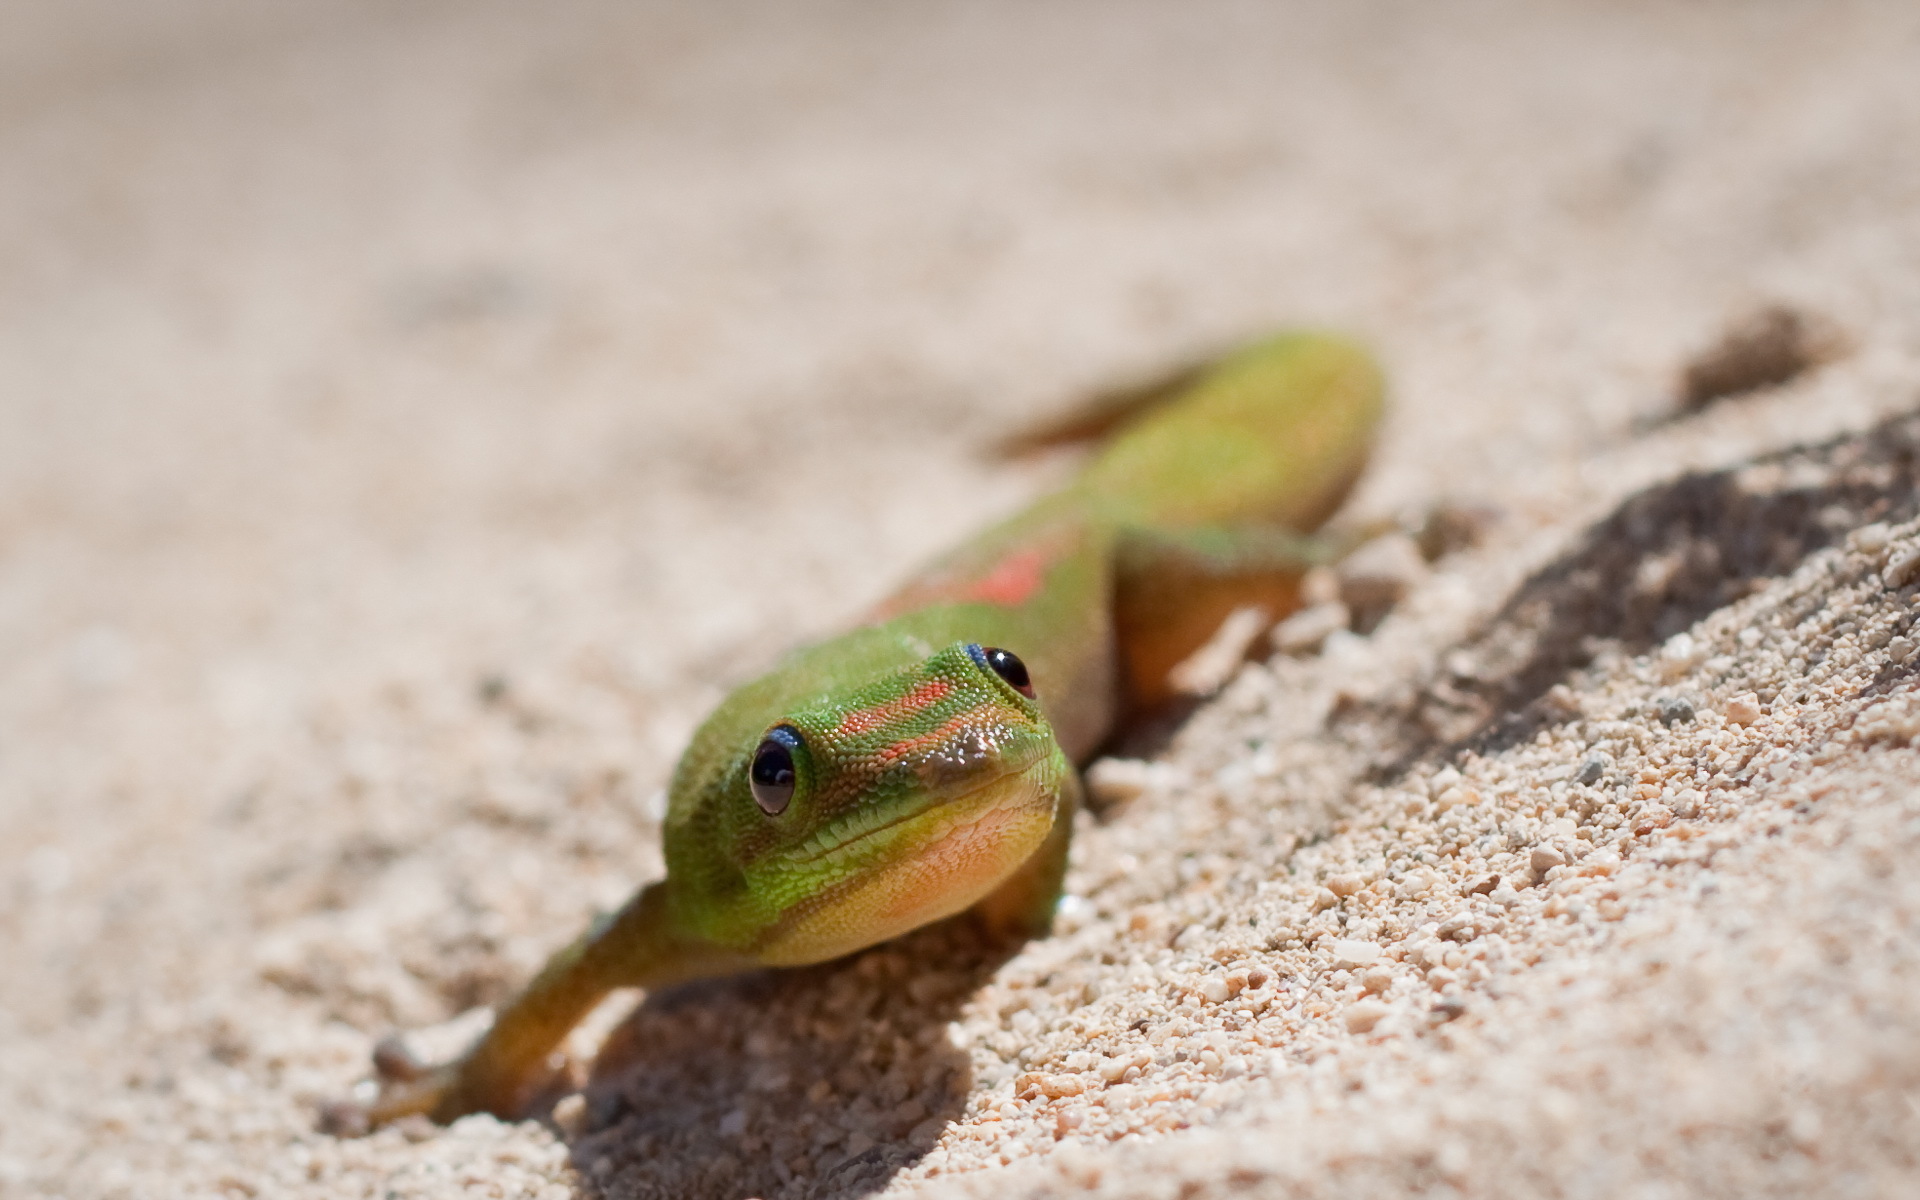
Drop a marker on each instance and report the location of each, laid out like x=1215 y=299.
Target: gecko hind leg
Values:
x=1174 y=588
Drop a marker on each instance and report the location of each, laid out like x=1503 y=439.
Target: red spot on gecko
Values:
x=1014 y=579
x=866 y=720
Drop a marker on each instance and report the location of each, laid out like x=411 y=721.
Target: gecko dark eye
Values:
x=1007 y=665
x=771 y=777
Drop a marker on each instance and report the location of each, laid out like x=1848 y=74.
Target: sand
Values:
x=418 y=415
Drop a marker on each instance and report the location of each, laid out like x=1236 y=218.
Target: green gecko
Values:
x=924 y=764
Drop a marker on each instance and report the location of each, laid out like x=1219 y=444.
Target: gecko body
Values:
x=924 y=763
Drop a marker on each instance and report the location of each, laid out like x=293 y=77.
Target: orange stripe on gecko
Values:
x=938 y=736
x=866 y=720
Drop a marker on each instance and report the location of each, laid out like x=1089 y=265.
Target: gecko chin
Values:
x=935 y=858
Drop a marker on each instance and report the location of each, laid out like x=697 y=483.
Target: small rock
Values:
x=1352 y=955
x=1450 y=1008
x=1454 y=525
x=1900 y=649
x=344 y=1119
x=1320 y=585
x=1376 y=980
x=1112 y=781
x=1743 y=710
x=1461 y=927
x=1561 y=702
x=1363 y=1015
x=1902 y=567
x=1375 y=577
x=570 y=1114
x=1765 y=348
x=1544 y=859
x=1308 y=629
x=1345 y=885
x=1213 y=989
x=1673 y=710
x=1679 y=655
x=1593 y=770
x=1113 y=1068
x=1870 y=539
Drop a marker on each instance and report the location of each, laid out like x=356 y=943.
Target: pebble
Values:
x=1053 y=1087
x=1902 y=567
x=1345 y=885
x=1870 y=539
x=1363 y=1015
x=1320 y=585
x=1743 y=709
x=1113 y=781
x=1376 y=980
x=1592 y=770
x=1673 y=710
x=1308 y=629
x=1678 y=656
x=1379 y=573
x=1351 y=955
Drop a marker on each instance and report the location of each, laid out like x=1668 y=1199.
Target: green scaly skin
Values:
x=927 y=784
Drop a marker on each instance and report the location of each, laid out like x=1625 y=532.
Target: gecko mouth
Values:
x=1021 y=785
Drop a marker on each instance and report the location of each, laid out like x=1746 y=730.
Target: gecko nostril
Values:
x=960 y=760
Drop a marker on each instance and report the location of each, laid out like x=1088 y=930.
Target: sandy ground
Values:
x=416 y=415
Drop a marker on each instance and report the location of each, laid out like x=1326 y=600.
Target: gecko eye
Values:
x=771 y=777
x=1007 y=665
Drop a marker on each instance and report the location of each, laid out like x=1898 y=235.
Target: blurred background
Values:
x=412 y=414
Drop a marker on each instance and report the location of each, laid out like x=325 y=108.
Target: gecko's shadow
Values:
x=817 y=1082
x=1666 y=558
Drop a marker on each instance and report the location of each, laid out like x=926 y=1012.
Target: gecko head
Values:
x=880 y=806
